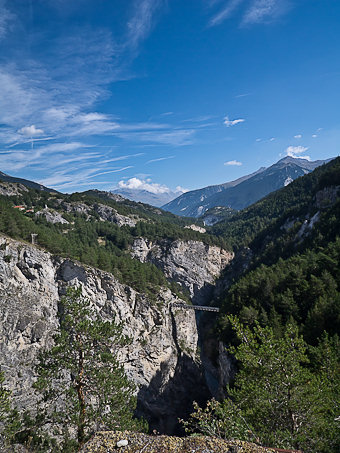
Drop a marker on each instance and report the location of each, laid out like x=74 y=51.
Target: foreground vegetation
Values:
x=82 y=385
x=285 y=394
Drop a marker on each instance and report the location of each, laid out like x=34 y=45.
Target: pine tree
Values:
x=83 y=384
x=279 y=397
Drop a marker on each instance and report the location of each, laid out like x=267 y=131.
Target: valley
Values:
x=273 y=265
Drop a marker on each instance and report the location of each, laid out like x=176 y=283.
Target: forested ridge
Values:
x=89 y=239
x=294 y=275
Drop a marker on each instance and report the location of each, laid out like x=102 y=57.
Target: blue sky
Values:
x=165 y=94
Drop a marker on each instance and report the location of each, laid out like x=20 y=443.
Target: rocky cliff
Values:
x=192 y=264
x=162 y=358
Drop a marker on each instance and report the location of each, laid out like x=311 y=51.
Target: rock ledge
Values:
x=104 y=442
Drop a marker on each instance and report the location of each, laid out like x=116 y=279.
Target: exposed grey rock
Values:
x=111 y=215
x=78 y=207
x=164 y=340
x=106 y=213
x=51 y=216
x=192 y=264
x=196 y=228
x=10 y=189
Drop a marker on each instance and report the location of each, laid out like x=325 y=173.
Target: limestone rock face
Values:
x=192 y=264
x=161 y=359
x=106 y=213
x=111 y=215
x=10 y=189
x=52 y=216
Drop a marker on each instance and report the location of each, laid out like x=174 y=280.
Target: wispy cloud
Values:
x=265 y=11
x=252 y=11
x=242 y=95
x=230 y=123
x=298 y=136
x=142 y=20
x=175 y=137
x=225 y=12
x=6 y=17
x=233 y=163
x=159 y=159
x=296 y=151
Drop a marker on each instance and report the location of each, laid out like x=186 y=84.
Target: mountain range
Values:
x=157 y=199
x=244 y=191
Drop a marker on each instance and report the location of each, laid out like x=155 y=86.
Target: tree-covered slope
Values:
x=96 y=228
x=297 y=197
x=293 y=275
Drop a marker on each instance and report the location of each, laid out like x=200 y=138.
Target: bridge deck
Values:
x=196 y=307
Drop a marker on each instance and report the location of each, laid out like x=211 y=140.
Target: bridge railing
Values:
x=196 y=307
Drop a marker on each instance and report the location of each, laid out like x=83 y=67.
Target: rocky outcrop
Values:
x=111 y=215
x=104 y=442
x=10 y=189
x=192 y=264
x=51 y=216
x=161 y=360
x=195 y=228
x=105 y=213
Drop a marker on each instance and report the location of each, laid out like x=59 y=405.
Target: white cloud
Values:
x=258 y=139
x=298 y=136
x=30 y=131
x=233 y=162
x=295 y=151
x=180 y=189
x=139 y=184
x=314 y=135
x=272 y=139
x=229 y=122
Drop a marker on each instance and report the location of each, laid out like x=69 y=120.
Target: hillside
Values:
x=291 y=273
x=97 y=228
x=25 y=182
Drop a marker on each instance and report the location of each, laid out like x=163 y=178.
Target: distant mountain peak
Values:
x=243 y=191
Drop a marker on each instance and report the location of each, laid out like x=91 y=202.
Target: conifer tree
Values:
x=83 y=384
x=279 y=398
